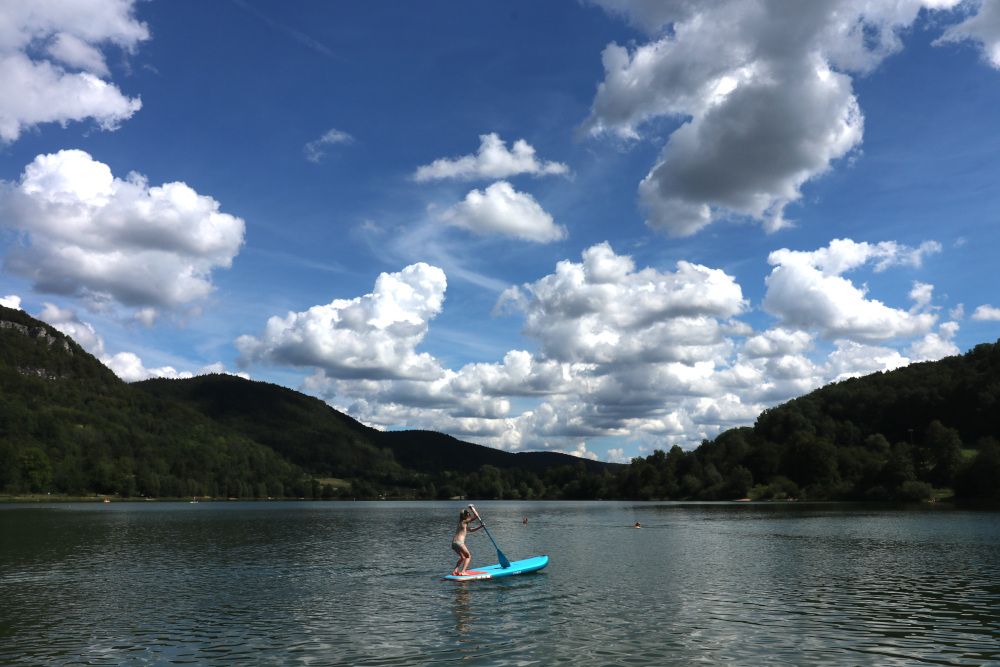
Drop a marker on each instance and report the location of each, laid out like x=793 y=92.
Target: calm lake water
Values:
x=358 y=584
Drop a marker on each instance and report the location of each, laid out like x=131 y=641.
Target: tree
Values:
x=944 y=452
x=36 y=471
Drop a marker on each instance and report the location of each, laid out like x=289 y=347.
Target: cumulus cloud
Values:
x=653 y=356
x=88 y=233
x=369 y=337
x=500 y=209
x=128 y=366
x=986 y=312
x=493 y=160
x=66 y=321
x=935 y=345
x=602 y=310
x=581 y=452
x=851 y=359
x=982 y=27
x=11 y=301
x=762 y=91
x=617 y=455
x=315 y=150
x=777 y=342
x=806 y=291
x=53 y=67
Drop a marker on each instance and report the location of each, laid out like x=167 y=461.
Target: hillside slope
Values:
x=893 y=435
x=68 y=424
x=310 y=433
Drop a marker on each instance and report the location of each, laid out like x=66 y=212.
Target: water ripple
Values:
x=359 y=584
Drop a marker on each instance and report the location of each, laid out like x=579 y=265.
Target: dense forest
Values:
x=70 y=426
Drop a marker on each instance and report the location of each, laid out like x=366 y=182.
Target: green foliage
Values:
x=68 y=425
x=836 y=442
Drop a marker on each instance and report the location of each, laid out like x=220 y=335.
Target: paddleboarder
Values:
x=465 y=517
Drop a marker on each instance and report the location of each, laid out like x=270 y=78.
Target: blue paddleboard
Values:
x=532 y=564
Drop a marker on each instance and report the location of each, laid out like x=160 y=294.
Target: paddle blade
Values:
x=504 y=563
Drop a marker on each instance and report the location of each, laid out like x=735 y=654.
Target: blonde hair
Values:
x=465 y=514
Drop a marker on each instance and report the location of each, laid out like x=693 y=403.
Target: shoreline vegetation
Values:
x=45 y=498
x=68 y=426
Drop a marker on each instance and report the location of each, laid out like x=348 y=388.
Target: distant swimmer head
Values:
x=637 y=525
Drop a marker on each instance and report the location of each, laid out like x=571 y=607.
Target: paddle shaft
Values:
x=504 y=562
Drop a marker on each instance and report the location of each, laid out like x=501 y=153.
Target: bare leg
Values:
x=464 y=558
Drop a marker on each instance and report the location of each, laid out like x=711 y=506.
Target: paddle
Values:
x=504 y=563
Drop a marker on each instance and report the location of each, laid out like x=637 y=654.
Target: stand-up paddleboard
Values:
x=525 y=566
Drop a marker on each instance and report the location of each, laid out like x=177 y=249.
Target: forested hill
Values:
x=893 y=435
x=310 y=433
x=69 y=425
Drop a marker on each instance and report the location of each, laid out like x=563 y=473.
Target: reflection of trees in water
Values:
x=462 y=609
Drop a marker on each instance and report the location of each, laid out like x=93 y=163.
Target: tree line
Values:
x=69 y=426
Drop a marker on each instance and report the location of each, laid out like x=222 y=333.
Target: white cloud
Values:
x=581 y=452
x=777 y=342
x=806 y=291
x=146 y=316
x=648 y=355
x=934 y=346
x=219 y=368
x=71 y=35
x=75 y=52
x=128 y=366
x=493 y=160
x=986 y=312
x=623 y=350
x=921 y=295
x=982 y=27
x=11 y=301
x=315 y=150
x=93 y=235
x=852 y=359
x=369 y=337
x=617 y=455
x=762 y=92
x=500 y=209
x=66 y=321
x=602 y=310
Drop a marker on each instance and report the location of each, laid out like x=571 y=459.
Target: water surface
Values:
x=358 y=584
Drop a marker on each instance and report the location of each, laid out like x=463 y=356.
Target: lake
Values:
x=359 y=584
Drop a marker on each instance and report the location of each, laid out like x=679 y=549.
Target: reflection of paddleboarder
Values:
x=458 y=542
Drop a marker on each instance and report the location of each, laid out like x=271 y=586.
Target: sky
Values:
x=601 y=227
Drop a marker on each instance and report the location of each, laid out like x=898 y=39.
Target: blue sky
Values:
x=599 y=227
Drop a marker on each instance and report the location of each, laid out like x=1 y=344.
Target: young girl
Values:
x=458 y=542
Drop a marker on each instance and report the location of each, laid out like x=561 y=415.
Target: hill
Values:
x=308 y=432
x=69 y=425
x=894 y=435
